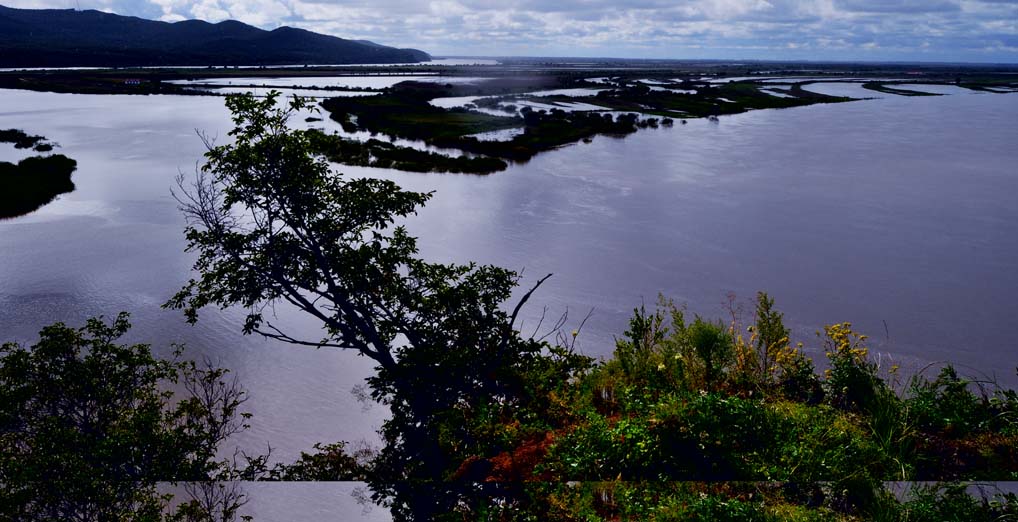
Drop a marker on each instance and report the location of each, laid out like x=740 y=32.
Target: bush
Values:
x=87 y=426
x=852 y=383
x=947 y=406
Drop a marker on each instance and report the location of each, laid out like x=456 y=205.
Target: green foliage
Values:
x=88 y=426
x=671 y=405
x=707 y=436
x=852 y=383
x=406 y=113
x=885 y=87
x=705 y=102
x=947 y=405
x=771 y=334
x=477 y=408
x=271 y=223
x=892 y=428
x=963 y=430
x=330 y=463
x=951 y=503
x=716 y=437
x=385 y=155
x=713 y=345
x=545 y=130
x=312 y=234
x=662 y=351
x=655 y=500
x=635 y=351
x=817 y=443
x=799 y=380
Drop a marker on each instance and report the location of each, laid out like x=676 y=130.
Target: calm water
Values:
x=373 y=81
x=893 y=210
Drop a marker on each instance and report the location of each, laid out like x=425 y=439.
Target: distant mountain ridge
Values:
x=70 y=38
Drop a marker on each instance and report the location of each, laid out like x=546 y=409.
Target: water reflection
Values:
x=846 y=89
x=261 y=92
x=376 y=81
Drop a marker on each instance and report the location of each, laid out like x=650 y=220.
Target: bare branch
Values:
x=557 y=327
x=280 y=336
x=525 y=298
x=544 y=313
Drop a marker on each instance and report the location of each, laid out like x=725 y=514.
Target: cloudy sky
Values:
x=928 y=30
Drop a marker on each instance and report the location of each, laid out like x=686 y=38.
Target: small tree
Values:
x=88 y=426
x=713 y=345
x=771 y=335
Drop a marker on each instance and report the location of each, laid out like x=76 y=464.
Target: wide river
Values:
x=896 y=214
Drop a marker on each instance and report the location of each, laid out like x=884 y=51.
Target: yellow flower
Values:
x=661 y=366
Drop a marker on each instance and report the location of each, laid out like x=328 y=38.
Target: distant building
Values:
x=132 y=81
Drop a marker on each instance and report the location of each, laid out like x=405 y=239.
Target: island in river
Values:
x=29 y=184
x=453 y=111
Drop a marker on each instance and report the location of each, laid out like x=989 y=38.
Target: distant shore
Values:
x=143 y=80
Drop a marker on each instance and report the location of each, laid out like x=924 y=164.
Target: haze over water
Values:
x=896 y=210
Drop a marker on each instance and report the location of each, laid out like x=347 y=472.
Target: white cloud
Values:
x=838 y=29
x=265 y=13
x=208 y=10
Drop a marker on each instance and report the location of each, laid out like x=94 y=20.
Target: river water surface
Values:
x=897 y=214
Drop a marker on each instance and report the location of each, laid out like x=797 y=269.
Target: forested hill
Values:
x=70 y=38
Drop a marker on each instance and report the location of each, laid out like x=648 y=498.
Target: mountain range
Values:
x=72 y=38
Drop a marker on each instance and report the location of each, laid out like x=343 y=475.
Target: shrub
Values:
x=947 y=406
x=88 y=426
x=852 y=382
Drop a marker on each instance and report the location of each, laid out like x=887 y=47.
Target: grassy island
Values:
x=382 y=154
x=406 y=111
x=33 y=182
x=573 y=108
x=888 y=89
x=23 y=140
x=567 y=104
x=708 y=100
x=546 y=130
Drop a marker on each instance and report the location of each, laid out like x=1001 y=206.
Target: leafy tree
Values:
x=712 y=343
x=88 y=426
x=272 y=223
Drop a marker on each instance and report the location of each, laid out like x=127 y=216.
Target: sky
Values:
x=854 y=30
